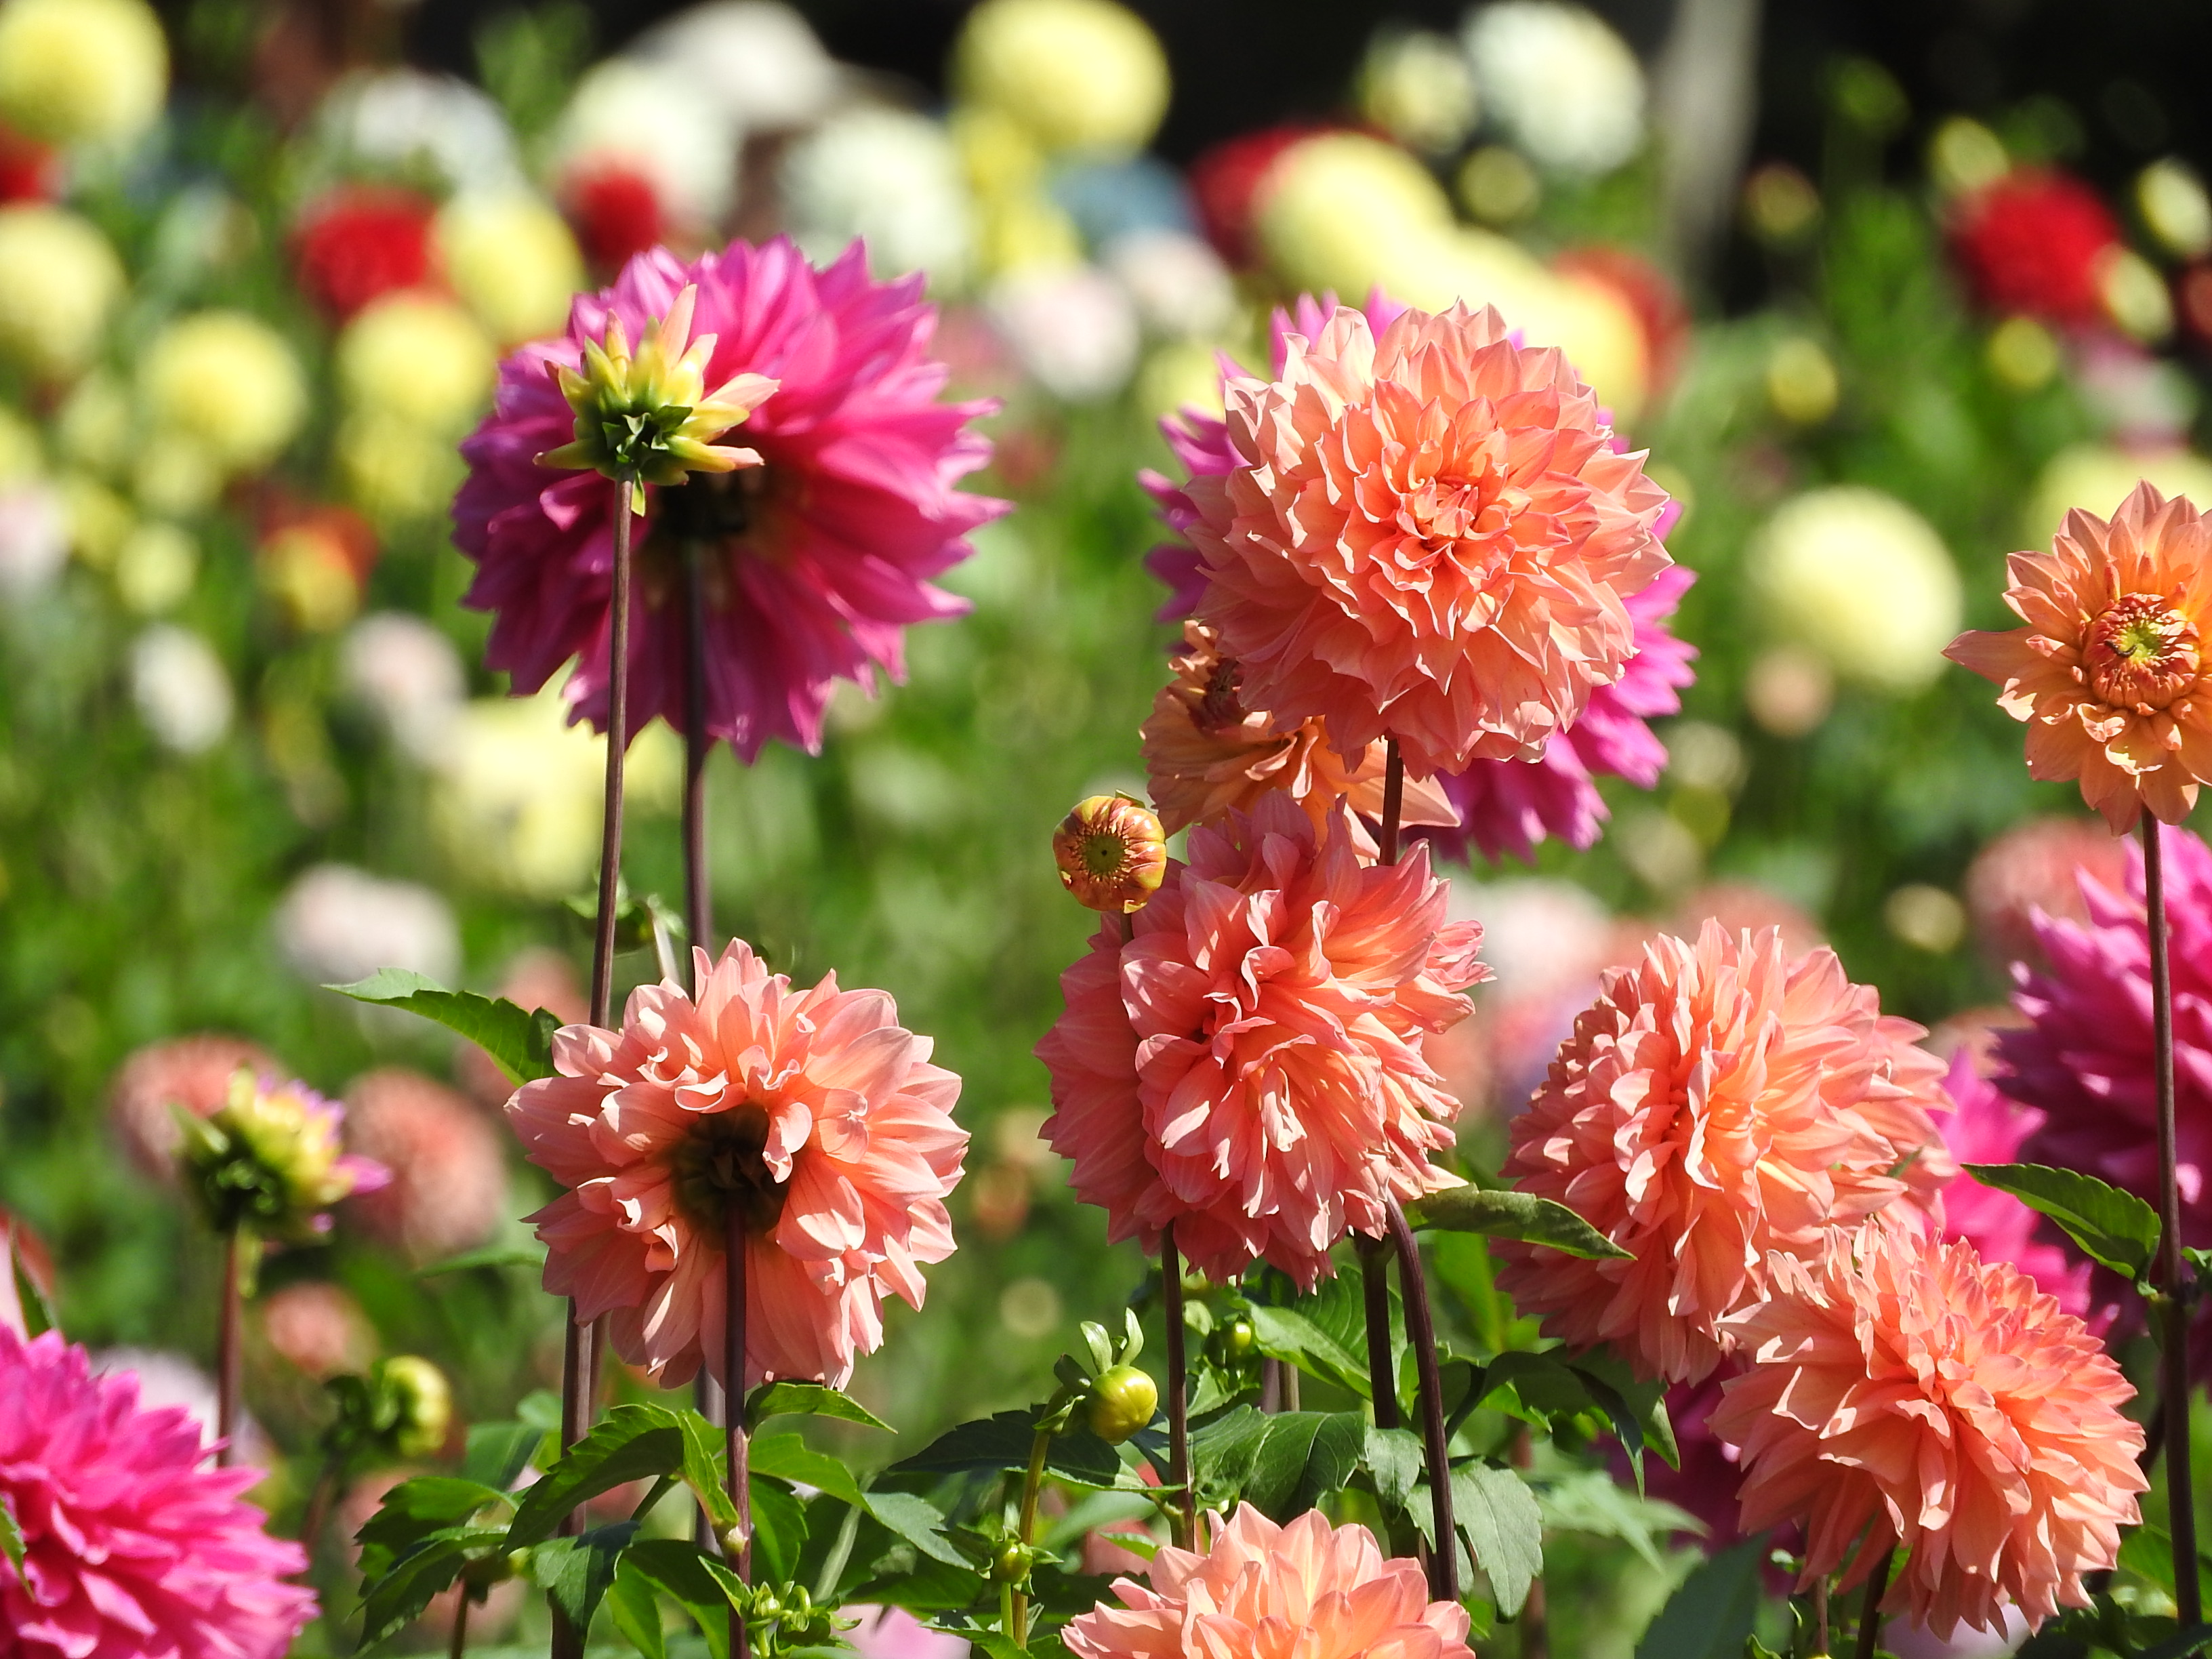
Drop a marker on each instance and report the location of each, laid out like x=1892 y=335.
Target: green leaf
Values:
x=1590 y=1501
x=414 y=1509
x=499 y=1452
x=1287 y=1334
x=521 y=1042
x=1638 y=1409
x=1392 y=1458
x=779 y=1530
x=1497 y=1514
x=1281 y=1463
x=492 y=1255
x=991 y=1445
x=634 y=1606
x=576 y=1572
x=1513 y=1215
x=631 y=1443
x=918 y=1521
x=807 y=1400
x=697 y=1582
x=2115 y=1228
x=706 y=1468
x=1713 y=1611
x=395 y=1599
x=11 y=1537
x=2181 y=1644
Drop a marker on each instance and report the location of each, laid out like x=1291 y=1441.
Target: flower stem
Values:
x=229 y=1351
x=733 y=1414
x=318 y=1506
x=1820 y=1616
x=1185 y=1527
x=1421 y=1336
x=2172 y=1304
x=1375 y=1290
x=1394 y=802
x=1870 y=1608
x=460 y=1642
x=698 y=889
x=1018 y=1610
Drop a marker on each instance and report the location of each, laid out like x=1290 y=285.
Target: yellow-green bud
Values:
x=269 y=1159
x=421 y=1401
x=1122 y=1401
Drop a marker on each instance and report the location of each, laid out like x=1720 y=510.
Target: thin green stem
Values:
x=2173 y=1272
x=1032 y=1485
x=1185 y=1525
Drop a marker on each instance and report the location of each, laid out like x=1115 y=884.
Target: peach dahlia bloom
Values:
x=812 y=1112
x=2109 y=673
x=1206 y=751
x=1427 y=537
x=1248 y=1064
x=1307 y=1590
x=1910 y=1394
x=1718 y=1103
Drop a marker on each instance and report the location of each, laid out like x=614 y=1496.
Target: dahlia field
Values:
x=789 y=868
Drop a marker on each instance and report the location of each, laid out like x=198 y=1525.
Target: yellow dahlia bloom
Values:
x=80 y=72
x=228 y=380
x=512 y=260
x=59 y=280
x=420 y=357
x=2109 y=672
x=1079 y=75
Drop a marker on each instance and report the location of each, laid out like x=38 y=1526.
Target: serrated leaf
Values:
x=1497 y=1514
x=395 y=1597
x=520 y=1040
x=634 y=1606
x=779 y=1530
x=1590 y=1501
x=992 y=1445
x=414 y=1509
x=1645 y=1403
x=1709 y=1616
x=631 y=1443
x=699 y=1584
x=498 y=1453
x=576 y=1572
x=1280 y=1463
x=1523 y=1216
x=807 y=1400
x=705 y=1468
x=2112 y=1227
x=1287 y=1334
x=917 y=1521
x=1393 y=1457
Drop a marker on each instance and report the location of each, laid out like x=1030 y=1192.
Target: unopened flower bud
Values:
x=269 y=1159
x=1012 y=1562
x=1122 y=1401
x=1112 y=852
x=421 y=1404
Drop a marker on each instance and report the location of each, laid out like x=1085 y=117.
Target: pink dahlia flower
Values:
x=448 y=1187
x=817 y=560
x=811 y=1112
x=1428 y=538
x=1503 y=806
x=1264 y=1591
x=2083 y=1063
x=2038 y=866
x=1717 y=1103
x=132 y=1547
x=1247 y=1065
x=1984 y=1126
x=1925 y=1398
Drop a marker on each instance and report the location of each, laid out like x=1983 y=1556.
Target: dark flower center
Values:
x=718 y=1166
x=1218 y=705
x=2140 y=652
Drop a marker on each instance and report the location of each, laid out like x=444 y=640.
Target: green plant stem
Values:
x=1185 y=1527
x=1032 y=1486
x=229 y=1350
x=2172 y=1304
x=733 y=1395
x=698 y=888
x=1870 y=1608
x=1421 y=1336
x=1375 y=1296
x=1820 y=1615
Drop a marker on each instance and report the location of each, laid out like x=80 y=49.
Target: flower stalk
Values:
x=229 y=1348
x=1017 y=1610
x=1421 y=1334
x=1374 y=1292
x=2172 y=1302
x=1870 y=1608
x=1185 y=1526
x=735 y=1445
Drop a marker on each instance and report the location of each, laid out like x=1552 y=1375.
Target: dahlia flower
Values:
x=1206 y=751
x=1262 y=1590
x=2034 y=243
x=269 y=1159
x=1112 y=852
x=2108 y=672
x=811 y=1111
x=60 y=282
x=2036 y=867
x=193 y=1072
x=1984 y=1127
x=131 y=1547
x=1923 y=1397
x=1559 y=80
x=448 y=1187
x=816 y=559
x=1461 y=584
x=2082 y=1064
x=359 y=242
x=1248 y=1064
x=1717 y=1104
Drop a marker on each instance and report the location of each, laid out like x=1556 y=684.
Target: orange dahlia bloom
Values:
x=1427 y=537
x=1718 y=1103
x=1247 y=1065
x=1206 y=751
x=811 y=1112
x=1263 y=1591
x=2110 y=671
x=1907 y=1392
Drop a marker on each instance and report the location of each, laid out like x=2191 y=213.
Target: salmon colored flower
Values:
x=811 y=1112
x=1206 y=751
x=1427 y=537
x=193 y=1074
x=1111 y=852
x=448 y=1188
x=1717 y=1103
x=1247 y=1065
x=1910 y=1394
x=1268 y=1592
x=2109 y=672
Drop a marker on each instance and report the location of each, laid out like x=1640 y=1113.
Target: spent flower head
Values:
x=648 y=416
x=1112 y=852
x=269 y=1159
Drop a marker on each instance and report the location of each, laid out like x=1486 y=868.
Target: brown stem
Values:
x=1394 y=802
x=1290 y=1387
x=698 y=887
x=318 y=1506
x=733 y=1418
x=229 y=1353
x=1820 y=1614
x=2172 y=1281
x=1271 y=1385
x=1870 y=1608
x=1421 y=1336
x=1186 y=1522
x=1374 y=1292
x=460 y=1642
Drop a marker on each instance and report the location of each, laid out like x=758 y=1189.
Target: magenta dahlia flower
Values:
x=132 y=1547
x=1505 y=806
x=2084 y=1059
x=817 y=560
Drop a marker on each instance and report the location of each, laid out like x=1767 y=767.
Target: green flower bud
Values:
x=270 y=1158
x=1012 y=1562
x=1122 y=1401
x=416 y=1394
